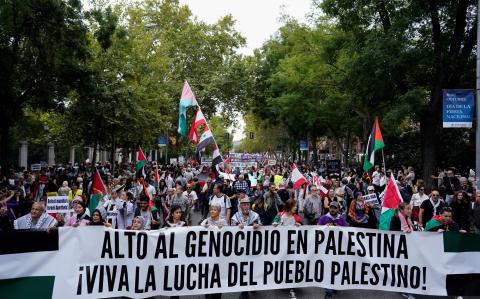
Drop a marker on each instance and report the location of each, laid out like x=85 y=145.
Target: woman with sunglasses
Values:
x=417 y=199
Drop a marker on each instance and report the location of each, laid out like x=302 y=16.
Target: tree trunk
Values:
x=429 y=138
x=430 y=126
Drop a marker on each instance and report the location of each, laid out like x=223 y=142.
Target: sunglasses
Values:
x=435 y=195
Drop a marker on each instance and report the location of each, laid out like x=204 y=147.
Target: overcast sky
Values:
x=256 y=20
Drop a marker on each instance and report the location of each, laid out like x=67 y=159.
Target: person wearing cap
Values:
x=80 y=218
x=245 y=216
x=332 y=218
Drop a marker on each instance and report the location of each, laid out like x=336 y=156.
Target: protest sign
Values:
x=271 y=162
x=57 y=204
x=105 y=262
x=371 y=199
x=277 y=179
x=458 y=106
x=36 y=167
x=333 y=168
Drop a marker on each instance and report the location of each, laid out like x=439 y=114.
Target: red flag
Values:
x=97 y=184
x=392 y=197
x=197 y=122
x=297 y=177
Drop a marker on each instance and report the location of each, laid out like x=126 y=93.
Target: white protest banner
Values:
x=371 y=199
x=104 y=262
x=57 y=204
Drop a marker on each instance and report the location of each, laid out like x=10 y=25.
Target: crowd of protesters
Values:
x=253 y=197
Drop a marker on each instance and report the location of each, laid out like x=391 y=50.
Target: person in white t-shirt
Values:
x=221 y=199
x=192 y=199
x=416 y=202
x=150 y=190
x=376 y=177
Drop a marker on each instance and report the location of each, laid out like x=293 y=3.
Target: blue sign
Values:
x=458 y=106
x=162 y=140
x=303 y=145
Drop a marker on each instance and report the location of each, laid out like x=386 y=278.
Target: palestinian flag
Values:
x=98 y=191
x=186 y=100
x=435 y=222
x=141 y=163
x=297 y=177
x=375 y=142
x=391 y=200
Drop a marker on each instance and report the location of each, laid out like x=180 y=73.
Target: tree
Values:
x=437 y=37
x=42 y=45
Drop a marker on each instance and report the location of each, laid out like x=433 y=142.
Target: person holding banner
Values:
x=174 y=218
x=80 y=218
x=332 y=218
x=288 y=216
x=402 y=221
x=36 y=219
x=214 y=219
x=245 y=216
x=97 y=218
x=138 y=223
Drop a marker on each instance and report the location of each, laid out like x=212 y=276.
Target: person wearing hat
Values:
x=80 y=218
x=332 y=218
x=245 y=216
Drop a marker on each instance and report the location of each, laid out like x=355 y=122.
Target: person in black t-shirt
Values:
x=429 y=208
